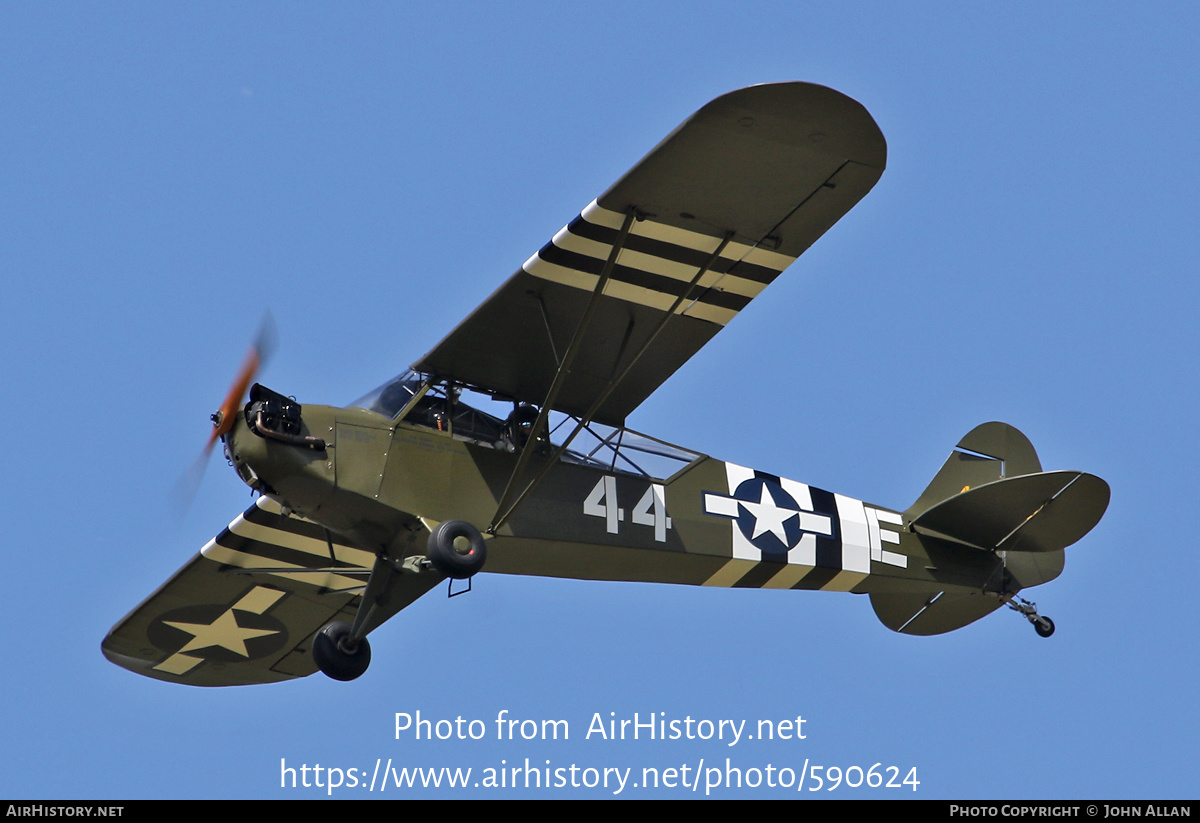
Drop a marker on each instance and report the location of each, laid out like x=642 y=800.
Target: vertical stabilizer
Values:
x=989 y=452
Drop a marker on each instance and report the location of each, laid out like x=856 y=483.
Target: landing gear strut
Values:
x=1044 y=626
x=455 y=548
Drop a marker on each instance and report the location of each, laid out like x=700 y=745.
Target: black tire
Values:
x=457 y=549
x=332 y=657
x=1044 y=626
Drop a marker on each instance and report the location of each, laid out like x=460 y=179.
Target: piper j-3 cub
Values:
x=364 y=509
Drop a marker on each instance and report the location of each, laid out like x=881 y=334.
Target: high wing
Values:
x=700 y=226
x=245 y=609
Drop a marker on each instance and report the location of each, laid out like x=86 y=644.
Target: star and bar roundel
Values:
x=773 y=518
x=223 y=633
x=776 y=520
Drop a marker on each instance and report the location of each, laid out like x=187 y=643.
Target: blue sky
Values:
x=370 y=172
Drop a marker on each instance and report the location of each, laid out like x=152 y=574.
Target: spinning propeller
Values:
x=225 y=416
x=256 y=357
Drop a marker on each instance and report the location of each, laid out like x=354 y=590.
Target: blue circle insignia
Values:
x=768 y=516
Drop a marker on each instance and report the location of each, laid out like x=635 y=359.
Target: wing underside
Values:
x=245 y=608
x=719 y=209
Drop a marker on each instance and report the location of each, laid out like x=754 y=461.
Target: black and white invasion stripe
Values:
x=262 y=538
x=657 y=264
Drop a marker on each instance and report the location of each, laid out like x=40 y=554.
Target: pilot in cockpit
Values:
x=519 y=426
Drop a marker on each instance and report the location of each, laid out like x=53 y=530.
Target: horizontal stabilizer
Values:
x=1042 y=512
x=925 y=613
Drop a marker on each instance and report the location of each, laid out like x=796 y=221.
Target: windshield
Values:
x=392 y=396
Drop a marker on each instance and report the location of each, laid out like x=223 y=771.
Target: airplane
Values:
x=363 y=509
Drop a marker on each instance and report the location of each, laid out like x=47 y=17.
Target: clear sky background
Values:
x=370 y=172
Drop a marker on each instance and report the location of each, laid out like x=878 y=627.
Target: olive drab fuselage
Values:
x=378 y=481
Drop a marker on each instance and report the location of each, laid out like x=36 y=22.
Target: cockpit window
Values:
x=624 y=450
x=434 y=406
x=437 y=405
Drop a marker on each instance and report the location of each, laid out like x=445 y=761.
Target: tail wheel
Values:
x=336 y=656
x=457 y=549
x=1044 y=626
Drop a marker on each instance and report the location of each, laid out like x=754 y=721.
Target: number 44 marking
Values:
x=651 y=510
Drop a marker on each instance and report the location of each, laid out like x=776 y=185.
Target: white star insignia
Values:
x=768 y=515
x=223 y=632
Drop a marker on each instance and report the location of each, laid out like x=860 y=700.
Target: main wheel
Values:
x=457 y=549
x=333 y=655
x=1044 y=626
